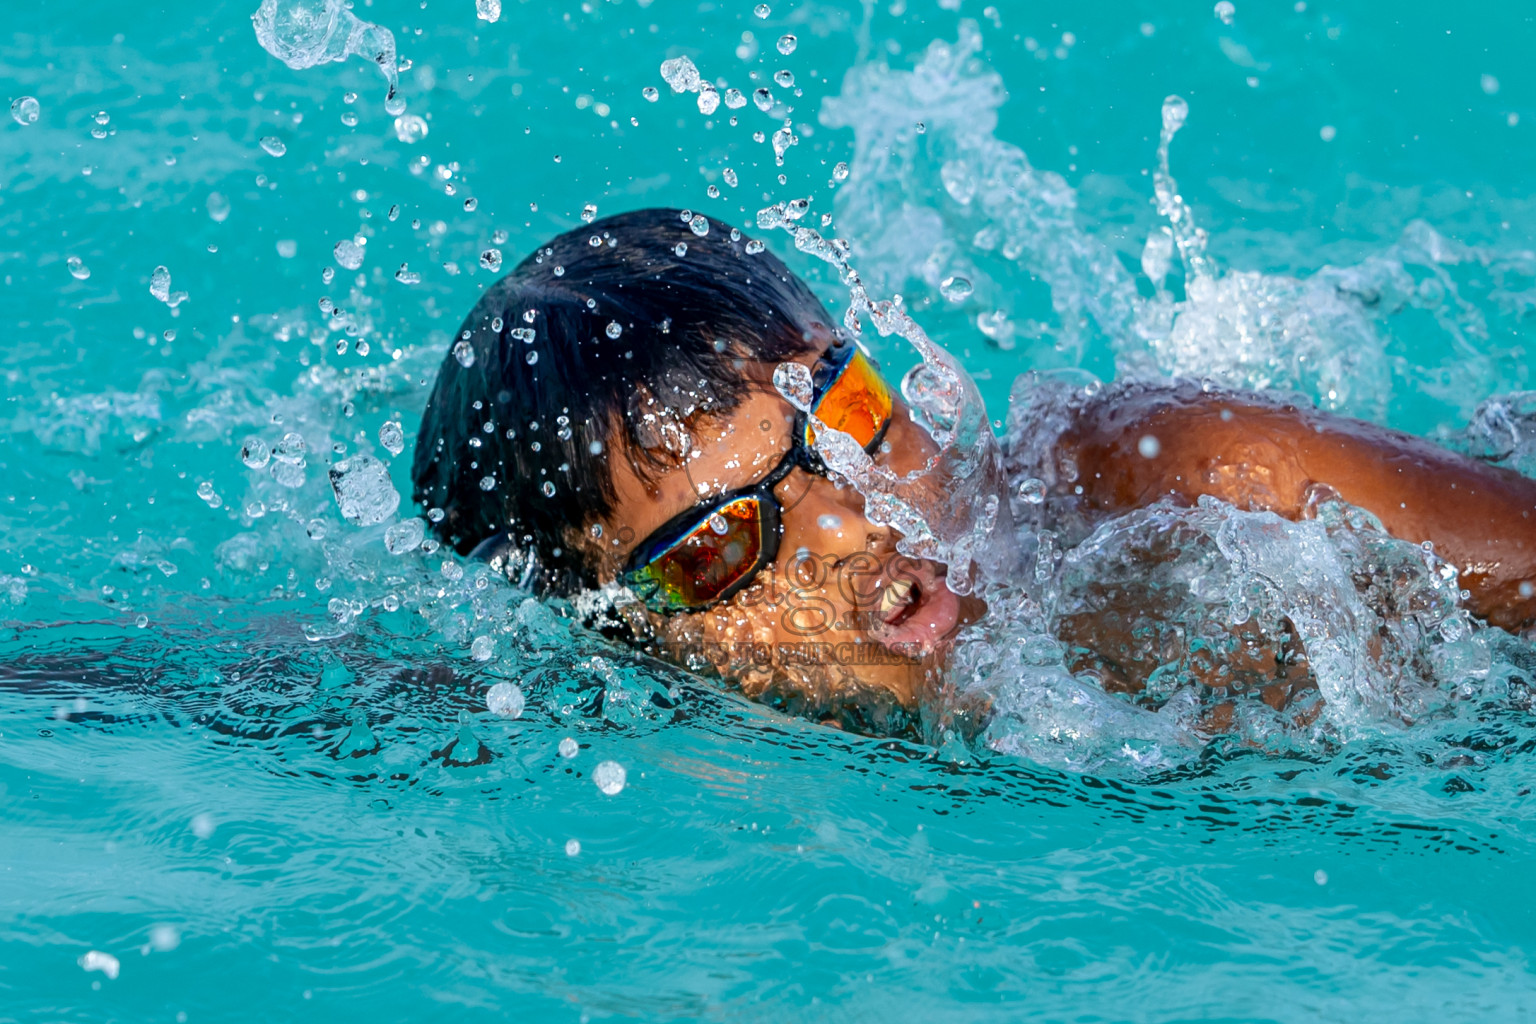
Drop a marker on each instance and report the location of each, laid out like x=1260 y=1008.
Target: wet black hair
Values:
x=549 y=375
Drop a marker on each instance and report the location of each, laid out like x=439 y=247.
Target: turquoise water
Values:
x=245 y=751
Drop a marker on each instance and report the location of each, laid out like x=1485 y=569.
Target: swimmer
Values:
x=617 y=431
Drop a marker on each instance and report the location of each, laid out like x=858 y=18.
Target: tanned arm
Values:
x=1263 y=454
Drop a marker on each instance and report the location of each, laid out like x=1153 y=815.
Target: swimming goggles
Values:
x=709 y=553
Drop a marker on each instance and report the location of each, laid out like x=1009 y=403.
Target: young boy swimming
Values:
x=608 y=420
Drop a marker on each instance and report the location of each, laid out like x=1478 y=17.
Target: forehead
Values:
x=698 y=459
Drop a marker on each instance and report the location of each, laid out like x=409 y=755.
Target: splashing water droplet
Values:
x=505 y=699
x=956 y=289
x=308 y=33
x=609 y=777
x=1032 y=491
x=763 y=98
x=405 y=536
x=531 y=358
x=572 y=847
x=699 y=225
x=709 y=99
x=840 y=171
x=392 y=437
x=613 y=330
x=729 y=176
x=782 y=140
x=680 y=250
x=568 y=747
x=488 y=10
x=1225 y=10
x=735 y=99
x=753 y=247
x=218 y=207
x=273 y=145
x=490 y=259
x=589 y=213
x=160 y=288
x=548 y=489
x=464 y=352
x=793 y=381
x=471 y=204
x=410 y=128
x=363 y=490
x=762 y=10
x=650 y=93
x=348 y=254
x=784 y=77
x=1175 y=113
x=681 y=74
x=787 y=44
x=77 y=268
x=25 y=111
x=405 y=275
x=254 y=453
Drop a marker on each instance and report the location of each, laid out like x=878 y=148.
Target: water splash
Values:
x=308 y=33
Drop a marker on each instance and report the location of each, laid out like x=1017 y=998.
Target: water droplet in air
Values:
x=840 y=171
x=956 y=289
x=410 y=128
x=488 y=10
x=287 y=248
x=464 y=352
x=505 y=699
x=680 y=74
x=1175 y=113
x=106 y=963
x=1224 y=10
x=784 y=77
x=488 y=483
x=613 y=330
x=363 y=490
x=1032 y=491
x=470 y=204
x=1490 y=84
x=254 y=453
x=787 y=43
x=782 y=140
x=531 y=358
x=392 y=437
x=568 y=747
x=793 y=381
x=699 y=225
x=753 y=247
x=548 y=489
x=1327 y=133
x=735 y=99
x=405 y=275
x=348 y=254
x=762 y=10
x=77 y=268
x=610 y=777
x=709 y=99
x=405 y=536
x=25 y=111
x=218 y=207
x=1149 y=446
x=763 y=98
x=349 y=119
x=481 y=649
x=160 y=288
x=490 y=259
x=650 y=93
x=589 y=213
x=274 y=145
x=680 y=250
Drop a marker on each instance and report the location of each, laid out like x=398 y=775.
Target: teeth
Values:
x=895 y=595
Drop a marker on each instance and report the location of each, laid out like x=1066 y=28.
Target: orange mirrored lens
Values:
x=857 y=402
x=704 y=563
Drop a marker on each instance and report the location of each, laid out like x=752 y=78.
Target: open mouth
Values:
x=917 y=612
